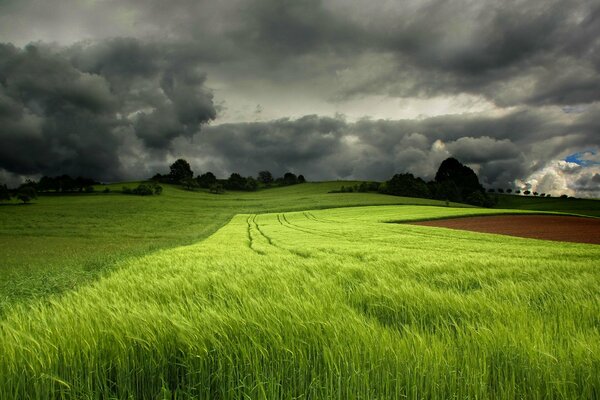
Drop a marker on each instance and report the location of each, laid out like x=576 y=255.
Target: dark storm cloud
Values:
x=67 y=111
x=332 y=148
x=126 y=88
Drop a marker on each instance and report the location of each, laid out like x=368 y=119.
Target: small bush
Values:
x=216 y=188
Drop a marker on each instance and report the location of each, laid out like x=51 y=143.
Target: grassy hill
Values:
x=588 y=207
x=61 y=242
x=321 y=304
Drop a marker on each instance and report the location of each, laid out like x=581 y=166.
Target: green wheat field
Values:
x=290 y=293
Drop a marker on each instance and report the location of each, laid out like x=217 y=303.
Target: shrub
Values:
x=26 y=194
x=143 y=190
x=216 y=188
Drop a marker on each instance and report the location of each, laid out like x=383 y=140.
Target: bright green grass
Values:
x=61 y=242
x=572 y=206
x=329 y=304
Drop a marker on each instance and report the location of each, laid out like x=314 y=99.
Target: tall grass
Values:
x=62 y=242
x=321 y=304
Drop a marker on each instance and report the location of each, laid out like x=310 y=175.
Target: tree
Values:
x=47 y=183
x=26 y=193
x=518 y=191
x=491 y=190
x=265 y=177
x=526 y=192
x=480 y=199
x=289 y=179
x=189 y=183
x=406 y=185
x=446 y=190
x=206 y=180
x=535 y=193
x=301 y=179
x=500 y=190
x=4 y=193
x=216 y=188
x=235 y=182
x=509 y=190
x=464 y=177
x=66 y=183
x=251 y=184
x=180 y=170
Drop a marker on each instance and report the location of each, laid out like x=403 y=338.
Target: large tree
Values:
x=180 y=170
x=265 y=177
x=207 y=179
x=465 y=179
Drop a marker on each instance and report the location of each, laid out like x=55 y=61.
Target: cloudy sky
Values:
x=333 y=89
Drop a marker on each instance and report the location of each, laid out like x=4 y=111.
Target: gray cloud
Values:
x=57 y=116
x=119 y=88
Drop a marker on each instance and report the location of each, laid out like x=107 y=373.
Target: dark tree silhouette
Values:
x=180 y=170
x=509 y=190
x=235 y=182
x=206 y=180
x=464 y=177
x=301 y=179
x=26 y=193
x=251 y=184
x=406 y=185
x=289 y=179
x=446 y=190
x=265 y=177
x=4 y=193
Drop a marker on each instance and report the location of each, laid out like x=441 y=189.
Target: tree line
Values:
x=180 y=173
x=453 y=182
x=58 y=184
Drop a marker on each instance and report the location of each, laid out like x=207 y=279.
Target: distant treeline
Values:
x=58 y=184
x=453 y=182
x=182 y=174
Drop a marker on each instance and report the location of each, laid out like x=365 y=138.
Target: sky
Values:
x=332 y=89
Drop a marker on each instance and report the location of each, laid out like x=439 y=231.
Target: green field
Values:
x=61 y=242
x=330 y=303
x=556 y=204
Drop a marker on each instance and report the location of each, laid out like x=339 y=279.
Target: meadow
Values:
x=318 y=303
x=59 y=243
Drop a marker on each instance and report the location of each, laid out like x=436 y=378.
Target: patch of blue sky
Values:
x=584 y=158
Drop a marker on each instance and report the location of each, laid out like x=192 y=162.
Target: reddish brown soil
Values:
x=547 y=227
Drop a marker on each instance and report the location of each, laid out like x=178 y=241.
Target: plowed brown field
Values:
x=547 y=227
